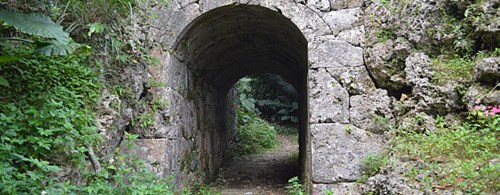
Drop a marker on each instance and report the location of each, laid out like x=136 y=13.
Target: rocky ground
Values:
x=264 y=173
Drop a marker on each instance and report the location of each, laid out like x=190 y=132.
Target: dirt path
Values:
x=265 y=173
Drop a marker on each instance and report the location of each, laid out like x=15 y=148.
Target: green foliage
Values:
x=123 y=174
x=381 y=121
x=49 y=37
x=294 y=187
x=46 y=117
x=245 y=98
x=96 y=27
x=34 y=24
x=276 y=99
x=370 y=166
x=328 y=192
x=145 y=119
x=463 y=26
x=254 y=134
x=457 y=157
x=452 y=69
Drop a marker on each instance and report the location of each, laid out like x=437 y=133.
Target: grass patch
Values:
x=464 y=156
x=452 y=69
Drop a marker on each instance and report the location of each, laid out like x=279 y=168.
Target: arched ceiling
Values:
x=230 y=42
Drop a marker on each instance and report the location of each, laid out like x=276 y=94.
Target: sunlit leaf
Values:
x=96 y=28
x=34 y=24
x=56 y=47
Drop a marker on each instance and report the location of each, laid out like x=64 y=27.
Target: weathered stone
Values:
x=385 y=74
x=197 y=122
x=372 y=111
x=390 y=184
x=173 y=21
x=310 y=23
x=488 y=70
x=417 y=69
x=337 y=150
x=157 y=152
x=417 y=122
x=342 y=19
x=431 y=98
x=356 y=79
x=207 y=5
x=421 y=15
x=480 y=95
x=344 y=4
x=326 y=52
x=435 y=99
x=354 y=36
x=402 y=47
x=329 y=100
x=321 y=5
x=338 y=189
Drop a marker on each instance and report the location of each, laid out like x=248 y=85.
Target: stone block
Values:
x=337 y=150
x=329 y=101
x=343 y=19
x=356 y=80
x=344 y=4
x=372 y=111
x=327 y=52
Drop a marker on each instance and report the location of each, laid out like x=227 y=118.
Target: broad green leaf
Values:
x=8 y=59
x=4 y=82
x=34 y=24
x=96 y=28
x=56 y=47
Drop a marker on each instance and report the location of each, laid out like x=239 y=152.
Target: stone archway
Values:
x=229 y=42
x=207 y=45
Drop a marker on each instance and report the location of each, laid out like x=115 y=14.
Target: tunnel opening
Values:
x=265 y=153
x=225 y=44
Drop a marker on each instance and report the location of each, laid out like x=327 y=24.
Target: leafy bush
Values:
x=48 y=129
x=464 y=156
x=294 y=187
x=254 y=134
x=370 y=166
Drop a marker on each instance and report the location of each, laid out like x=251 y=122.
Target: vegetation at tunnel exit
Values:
x=253 y=134
x=263 y=99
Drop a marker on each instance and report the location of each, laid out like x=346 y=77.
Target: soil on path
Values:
x=265 y=173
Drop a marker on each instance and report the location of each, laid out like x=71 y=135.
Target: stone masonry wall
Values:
x=348 y=90
x=342 y=97
x=191 y=132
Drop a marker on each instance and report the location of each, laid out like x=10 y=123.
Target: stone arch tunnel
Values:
x=205 y=46
x=229 y=42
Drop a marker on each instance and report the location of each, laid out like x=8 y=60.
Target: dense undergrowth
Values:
x=49 y=90
x=460 y=156
x=260 y=97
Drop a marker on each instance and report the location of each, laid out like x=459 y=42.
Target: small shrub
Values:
x=294 y=187
x=370 y=166
x=254 y=134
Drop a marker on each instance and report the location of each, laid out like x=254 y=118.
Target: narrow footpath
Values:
x=266 y=173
